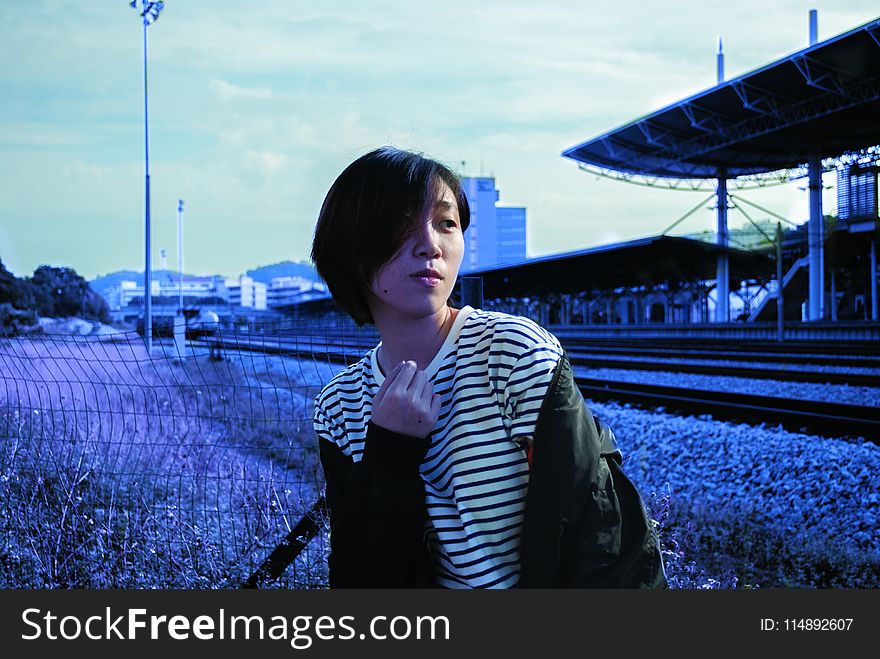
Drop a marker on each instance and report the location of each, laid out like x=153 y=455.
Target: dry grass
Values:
x=122 y=470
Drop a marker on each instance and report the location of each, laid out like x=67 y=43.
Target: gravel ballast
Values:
x=854 y=368
x=832 y=393
x=814 y=494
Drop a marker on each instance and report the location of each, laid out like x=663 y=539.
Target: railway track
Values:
x=581 y=356
x=698 y=353
x=815 y=417
x=857 y=349
x=796 y=351
x=858 y=354
x=729 y=370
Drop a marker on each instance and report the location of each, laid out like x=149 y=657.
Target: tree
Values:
x=15 y=292
x=60 y=291
x=16 y=304
x=8 y=286
x=51 y=292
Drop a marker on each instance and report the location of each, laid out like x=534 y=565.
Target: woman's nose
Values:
x=427 y=242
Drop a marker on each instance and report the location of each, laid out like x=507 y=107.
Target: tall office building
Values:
x=497 y=234
x=511 y=233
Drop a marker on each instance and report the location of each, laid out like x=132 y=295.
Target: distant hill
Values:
x=113 y=279
x=263 y=273
x=266 y=273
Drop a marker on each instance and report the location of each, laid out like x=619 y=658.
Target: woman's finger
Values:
x=426 y=392
x=436 y=404
x=417 y=386
x=404 y=377
x=389 y=380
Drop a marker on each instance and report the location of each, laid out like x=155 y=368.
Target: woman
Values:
x=425 y=442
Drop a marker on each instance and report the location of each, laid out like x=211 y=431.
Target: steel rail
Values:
x=728 y=370
x=348 y=352
x=836 y=420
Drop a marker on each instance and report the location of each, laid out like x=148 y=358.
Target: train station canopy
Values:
x=822 y=100
x=641 y=262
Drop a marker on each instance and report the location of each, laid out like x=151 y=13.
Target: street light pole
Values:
x=150 y=12
x=148 y=271
x=180 y=251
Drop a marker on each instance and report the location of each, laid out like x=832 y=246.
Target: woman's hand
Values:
x=406 y=402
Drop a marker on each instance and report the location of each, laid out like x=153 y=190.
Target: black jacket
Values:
x=585 y=524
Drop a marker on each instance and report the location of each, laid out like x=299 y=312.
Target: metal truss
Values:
x=773 y=116
x=870 y=155
x=749 y=182
x=665 y=152
x=760 y=100
x=708 y=121
x=874 y=32
x=821 y=75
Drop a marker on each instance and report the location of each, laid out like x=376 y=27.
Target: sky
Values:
x=255 y=108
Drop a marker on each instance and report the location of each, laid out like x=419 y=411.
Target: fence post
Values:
x=180 y=335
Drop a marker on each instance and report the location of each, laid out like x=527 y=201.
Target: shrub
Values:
x=16 y=321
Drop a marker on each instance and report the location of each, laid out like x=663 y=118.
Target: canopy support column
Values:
x=816 y=242
x=873 y=265
x=722 y=312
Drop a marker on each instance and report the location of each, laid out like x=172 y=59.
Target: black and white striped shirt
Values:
x=491 y=373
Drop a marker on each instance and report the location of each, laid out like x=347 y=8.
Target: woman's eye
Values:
x=452 y=223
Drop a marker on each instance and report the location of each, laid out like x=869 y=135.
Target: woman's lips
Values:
x=428 y=281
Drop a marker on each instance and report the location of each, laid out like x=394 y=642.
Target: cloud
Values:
x=266 y=162
x=253 y=119
x=79 y=169
x=226 y=91
x=37 y=135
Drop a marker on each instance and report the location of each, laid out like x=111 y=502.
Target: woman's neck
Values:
x=412 y=339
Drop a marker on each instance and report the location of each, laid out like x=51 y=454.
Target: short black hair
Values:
x=367 y=216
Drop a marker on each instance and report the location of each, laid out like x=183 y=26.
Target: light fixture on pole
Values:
x=149 y=12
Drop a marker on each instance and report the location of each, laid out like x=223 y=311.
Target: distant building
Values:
x=511 y=233
x=497 y=234
x=285 y=291
x=240 y=292
x=245 y=292
x=119 y=296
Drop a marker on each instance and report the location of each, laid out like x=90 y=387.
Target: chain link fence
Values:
x=123 y=469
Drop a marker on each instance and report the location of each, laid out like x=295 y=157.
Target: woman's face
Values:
x=436 y=243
